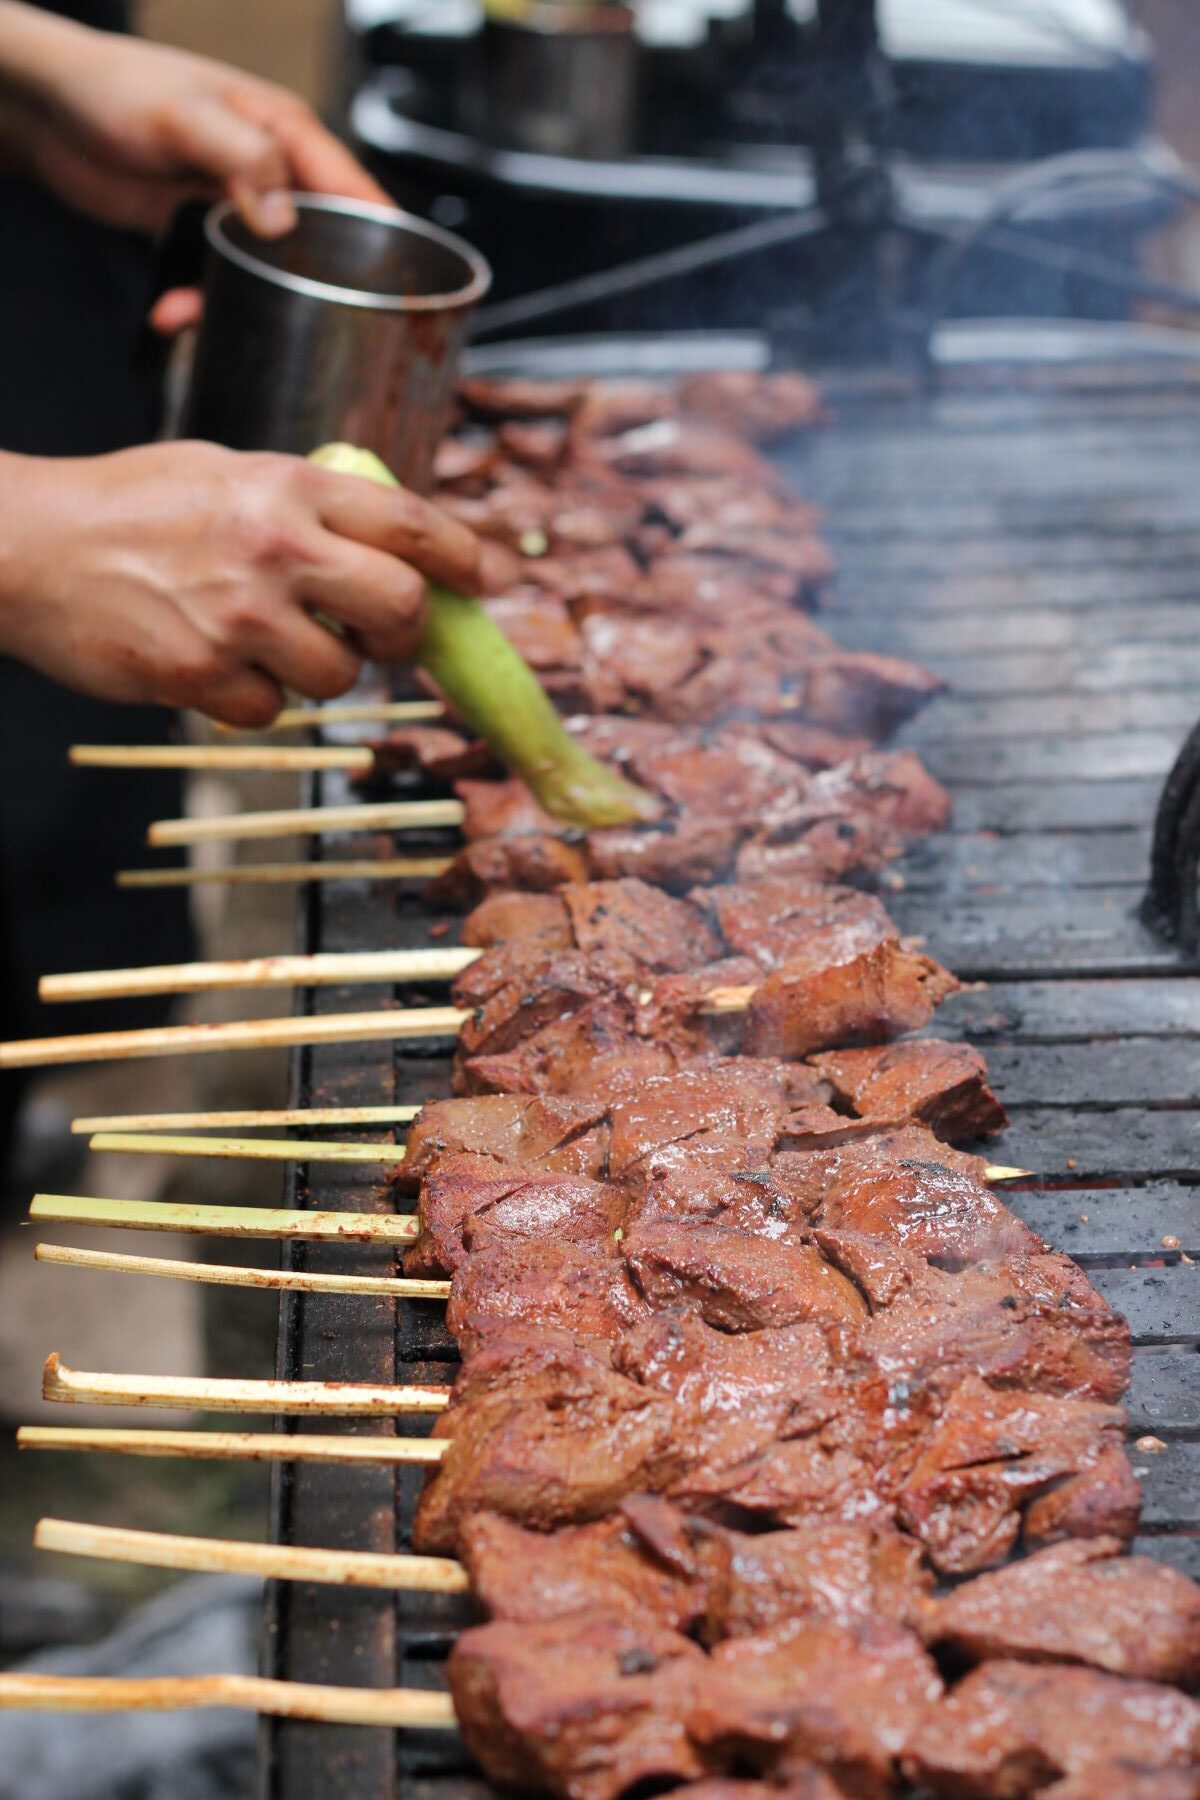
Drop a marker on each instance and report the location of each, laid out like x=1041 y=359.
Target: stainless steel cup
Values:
x=349 y=327
x=560 y=80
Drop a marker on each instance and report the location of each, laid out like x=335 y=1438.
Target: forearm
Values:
x=34 y=47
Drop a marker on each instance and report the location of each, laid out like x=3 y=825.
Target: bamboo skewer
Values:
x=274 y=1562
x=219 y=1121
x=400 y=1287
x=404 y=868
x=410 y=1024
x=352 y=712
x=239 y=1034
x=226 y=1221
x=245 y=1149
x=311 y=821
x=202 y=1393
x=395 y=1708
x=233 y=1446
x=227 y=757
x=323 y=970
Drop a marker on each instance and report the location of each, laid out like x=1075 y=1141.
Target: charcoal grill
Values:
x=1029 y=531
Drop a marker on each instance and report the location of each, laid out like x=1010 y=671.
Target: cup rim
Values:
x=479 y=270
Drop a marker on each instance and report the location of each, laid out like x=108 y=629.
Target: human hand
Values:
x=127 y=132
x=189 y=575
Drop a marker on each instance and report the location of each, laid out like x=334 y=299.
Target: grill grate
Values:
x=1038 y=549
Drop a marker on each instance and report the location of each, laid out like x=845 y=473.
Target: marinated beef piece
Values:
x=542 y=1431
x=554 y=1134
x=1030 y=1323
x=712 y=590
x=597 y=1049
x=941 y=1213
x=735 y=1392
x=464 y=463
x=892 y=787
x=520 y=398
x=649 y=655
x=1002 y=1466
x=612 y=407
x=541 y=628
x=854 y=1699
x=500 y=809
x=942 y=1085
x=538 y=920
x=817 y=844
x=730 y=1111
x=542 y=1282
x=814 y=747
x=541 y=445
x=541 y=995
x=583 y=577
x=671 y=446
x=724 y=500
x=588 y=1706
x=1081 y=1601
x=630 y=917
x=819 y=999
x=527 y=1576
x=842 y=1573
x=469 y=1197
x=1010 y=1728
x=773 y=921
x=858 y=691
x=761 y=407
x=736 y=1282
x=536 y=861
x=441 y=754
x=909 y=1145
x=676 y=854
x=734 y=778
x=797 y=551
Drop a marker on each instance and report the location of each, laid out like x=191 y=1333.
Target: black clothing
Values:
x=78 y=377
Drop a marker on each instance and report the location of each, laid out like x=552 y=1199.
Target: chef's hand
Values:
x=189 y=575
x=127 y=131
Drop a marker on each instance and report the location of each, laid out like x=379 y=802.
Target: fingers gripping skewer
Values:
x=233 y=1446
x=388 y=966
x=349 y=1399
x=274 y=1562
x=395 y=1708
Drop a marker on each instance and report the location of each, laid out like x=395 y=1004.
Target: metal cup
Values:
x=349 y=327
x=559 y=80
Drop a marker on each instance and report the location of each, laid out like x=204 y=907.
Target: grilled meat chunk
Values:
x=1002 y=1467
x=608 y=1567
x=588 y=1706
x=1011 y=1728
x=544 y=1431
x=937 y=1084
x=467 y=1203
x=853 y=1699
x=1079 y=1601
x=737 y=1282
x=547 y=1132
x=544 y=1282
